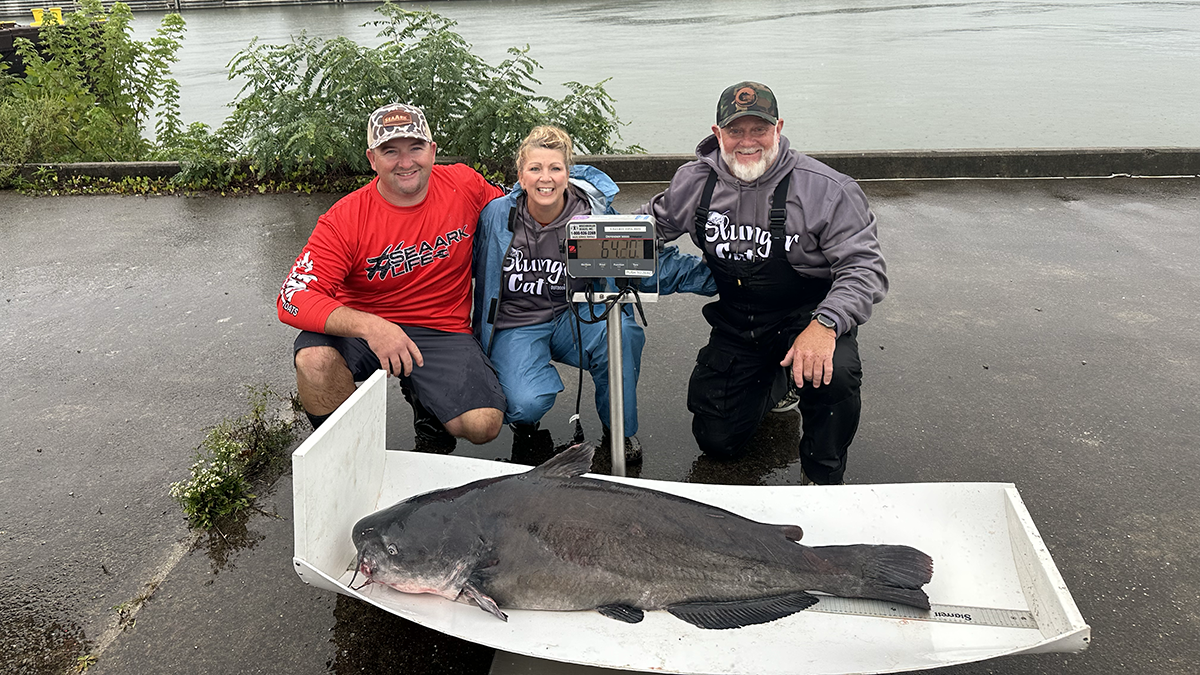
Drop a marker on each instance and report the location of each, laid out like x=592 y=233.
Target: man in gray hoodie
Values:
x=792 y=245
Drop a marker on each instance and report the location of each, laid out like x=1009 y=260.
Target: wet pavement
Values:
x=1043 y=333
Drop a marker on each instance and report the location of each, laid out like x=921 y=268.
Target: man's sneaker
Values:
x=531 y=445
x=789 y=402
x=431 y=434
x=633 y=447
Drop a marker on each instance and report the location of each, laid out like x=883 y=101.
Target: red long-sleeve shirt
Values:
x=410 y=265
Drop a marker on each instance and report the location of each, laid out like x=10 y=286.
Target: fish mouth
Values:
x=363 y=565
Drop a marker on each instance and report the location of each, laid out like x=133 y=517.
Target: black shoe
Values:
x=431 y=435
x=531 y=445
x=633 y=447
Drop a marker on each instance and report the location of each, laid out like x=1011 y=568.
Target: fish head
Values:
x=413 y=550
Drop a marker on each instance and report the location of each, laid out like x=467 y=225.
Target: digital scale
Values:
x=620 y=248
x=611 y=247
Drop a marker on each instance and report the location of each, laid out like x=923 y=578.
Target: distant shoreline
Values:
x=1039 y=163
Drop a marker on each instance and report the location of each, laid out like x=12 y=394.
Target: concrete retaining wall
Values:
x=898 y=164
x=998 y=163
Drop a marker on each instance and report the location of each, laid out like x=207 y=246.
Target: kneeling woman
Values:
x=522 y=315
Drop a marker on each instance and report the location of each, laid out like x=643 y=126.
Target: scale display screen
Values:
x=611 y=246
x=606 y=249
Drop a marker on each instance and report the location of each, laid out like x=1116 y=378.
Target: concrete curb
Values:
x=113 y=170
x=871 y=165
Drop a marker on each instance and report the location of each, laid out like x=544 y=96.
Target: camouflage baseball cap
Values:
x=746 y=98
x=396 y=120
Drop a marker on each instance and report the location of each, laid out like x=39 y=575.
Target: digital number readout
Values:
x=618 y=249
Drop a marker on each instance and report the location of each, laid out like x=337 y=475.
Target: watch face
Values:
x=826 y=321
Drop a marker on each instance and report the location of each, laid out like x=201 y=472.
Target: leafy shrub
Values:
x=303 y=109
x=90 y=92
x=89 y=89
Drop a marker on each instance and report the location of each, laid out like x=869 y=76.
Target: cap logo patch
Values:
x=745 y=97
x=396 y=118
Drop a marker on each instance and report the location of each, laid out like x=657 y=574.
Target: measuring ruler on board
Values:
x=978 y=616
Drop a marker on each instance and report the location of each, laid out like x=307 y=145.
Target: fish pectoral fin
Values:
x=626 y=613
x=485 y=603
x=720 y=614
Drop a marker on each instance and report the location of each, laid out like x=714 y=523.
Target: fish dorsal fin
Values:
x=574 y=461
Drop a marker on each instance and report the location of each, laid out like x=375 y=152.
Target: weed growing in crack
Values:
x=232 y=456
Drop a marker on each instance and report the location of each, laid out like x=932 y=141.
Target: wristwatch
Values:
x=826 y=321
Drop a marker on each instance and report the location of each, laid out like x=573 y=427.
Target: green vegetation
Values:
x=90 y=90
x=90 y=93
x=232 y=456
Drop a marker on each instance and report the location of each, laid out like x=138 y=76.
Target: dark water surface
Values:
x=850 y=75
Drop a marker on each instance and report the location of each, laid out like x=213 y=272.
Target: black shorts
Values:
x=457 y=375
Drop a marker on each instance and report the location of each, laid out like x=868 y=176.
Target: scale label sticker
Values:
x=581 y=230
x=638 y=273
x=625 y=228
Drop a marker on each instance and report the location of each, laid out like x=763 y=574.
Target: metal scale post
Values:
x=622 y=248
x=616 y=392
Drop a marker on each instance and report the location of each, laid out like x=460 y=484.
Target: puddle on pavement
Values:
x=368 y=639
x=773 y=456
x=35 y=637
x=227 y=538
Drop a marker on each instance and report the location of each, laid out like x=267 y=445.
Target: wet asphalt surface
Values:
x=1043 y=333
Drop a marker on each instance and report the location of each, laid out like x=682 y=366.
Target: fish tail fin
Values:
x=890 y=573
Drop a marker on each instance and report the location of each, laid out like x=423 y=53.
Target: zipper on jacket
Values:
x=494 y=309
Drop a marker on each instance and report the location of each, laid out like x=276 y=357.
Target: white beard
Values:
x=751 y=172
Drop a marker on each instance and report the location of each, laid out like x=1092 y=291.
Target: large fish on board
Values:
x=550 y=539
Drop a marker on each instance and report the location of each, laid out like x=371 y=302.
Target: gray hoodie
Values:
x=830 y=230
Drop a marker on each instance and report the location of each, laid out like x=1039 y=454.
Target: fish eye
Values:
x=391 y=549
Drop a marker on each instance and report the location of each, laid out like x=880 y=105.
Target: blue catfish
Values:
x=551 y=539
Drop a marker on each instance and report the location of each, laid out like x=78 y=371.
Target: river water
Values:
x=849 y=74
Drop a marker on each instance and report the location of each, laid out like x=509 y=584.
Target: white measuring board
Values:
x=989 y=563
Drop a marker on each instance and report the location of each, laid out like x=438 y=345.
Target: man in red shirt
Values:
x=385 y=282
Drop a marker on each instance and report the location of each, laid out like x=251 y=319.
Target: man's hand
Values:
x=397 y=353
x=811 y=356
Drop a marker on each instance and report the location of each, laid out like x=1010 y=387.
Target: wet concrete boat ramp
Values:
x=1039 y=332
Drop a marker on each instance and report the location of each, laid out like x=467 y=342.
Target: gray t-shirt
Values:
x=535 y=281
